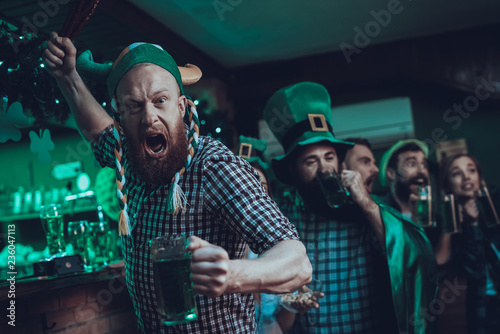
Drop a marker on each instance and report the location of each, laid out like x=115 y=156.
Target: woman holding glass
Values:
x=475 y=251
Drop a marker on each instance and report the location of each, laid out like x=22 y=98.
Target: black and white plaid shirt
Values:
x=226 y=206
x=347 y=259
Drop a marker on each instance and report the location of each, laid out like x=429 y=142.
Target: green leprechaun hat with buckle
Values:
x=252 y=150
x=300 y=115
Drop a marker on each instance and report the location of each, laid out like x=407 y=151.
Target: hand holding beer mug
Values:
x=53 y=225
x=334 y=191
x=171 y=263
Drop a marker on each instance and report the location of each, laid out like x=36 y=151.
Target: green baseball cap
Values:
x=300 y=115
x=384 y=162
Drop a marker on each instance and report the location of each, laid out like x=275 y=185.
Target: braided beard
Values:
x=160 y=171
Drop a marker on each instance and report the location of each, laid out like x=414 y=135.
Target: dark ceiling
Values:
x=243 y=32
x=222 y=34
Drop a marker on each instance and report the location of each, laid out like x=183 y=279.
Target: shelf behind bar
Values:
x=34 y=215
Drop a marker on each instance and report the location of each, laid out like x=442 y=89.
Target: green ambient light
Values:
x=83 y=182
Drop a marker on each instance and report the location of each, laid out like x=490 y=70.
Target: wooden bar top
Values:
x=31 y=285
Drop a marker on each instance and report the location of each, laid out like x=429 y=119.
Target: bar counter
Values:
x=94 y=302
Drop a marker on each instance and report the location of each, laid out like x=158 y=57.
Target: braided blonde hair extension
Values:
x=176 y=197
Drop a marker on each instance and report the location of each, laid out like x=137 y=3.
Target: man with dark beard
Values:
x=358 y=250
x=403 y=169
x=360 y=158
x=173 y=181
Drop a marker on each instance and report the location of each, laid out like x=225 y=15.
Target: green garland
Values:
x=25 y=80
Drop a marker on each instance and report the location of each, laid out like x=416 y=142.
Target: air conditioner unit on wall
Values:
x=382 y=122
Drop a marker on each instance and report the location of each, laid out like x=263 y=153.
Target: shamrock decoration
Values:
x=10 y=119
x=42 y=145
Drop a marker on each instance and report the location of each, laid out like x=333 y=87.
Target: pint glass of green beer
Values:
x=171 y=262
x=424 y=212
x=334 y=191
x=52 y=219
x=79 y=232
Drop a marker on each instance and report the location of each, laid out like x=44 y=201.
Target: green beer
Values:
x=100 y=241
x=176 y=299
x=451 y=223
x=78 y=236
x=487 y=208
x=171 y=267
x=54 y=232
x=424 y=207
x=53 y=226
x=334 y=191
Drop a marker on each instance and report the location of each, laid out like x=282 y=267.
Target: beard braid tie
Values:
x=176 y=197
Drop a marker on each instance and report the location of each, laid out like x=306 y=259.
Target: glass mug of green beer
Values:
x=423 y=204
x=171 y=261
x=52 y=219
x=333 y=189
x=79 y=233
x=100 y=241
x=487 y=208
x=451 y=223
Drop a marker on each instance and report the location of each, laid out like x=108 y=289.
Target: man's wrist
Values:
x=68 y=81
x=368 y=205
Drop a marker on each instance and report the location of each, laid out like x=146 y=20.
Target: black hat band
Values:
x=315 y=123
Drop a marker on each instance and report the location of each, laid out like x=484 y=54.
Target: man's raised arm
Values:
x=60 y=61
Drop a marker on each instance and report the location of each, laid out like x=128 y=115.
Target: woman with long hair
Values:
x=473 y=251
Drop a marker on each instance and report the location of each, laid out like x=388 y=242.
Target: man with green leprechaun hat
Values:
x=173 y=181
x=403 y=168
x=377 y=268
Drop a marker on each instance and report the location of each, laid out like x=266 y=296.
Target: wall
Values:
x=436 y=72
x=90 y=306
x=17 y=158
x=480 y=129
x=429 y=105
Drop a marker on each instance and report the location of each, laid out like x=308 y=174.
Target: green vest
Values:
x=412 y=269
